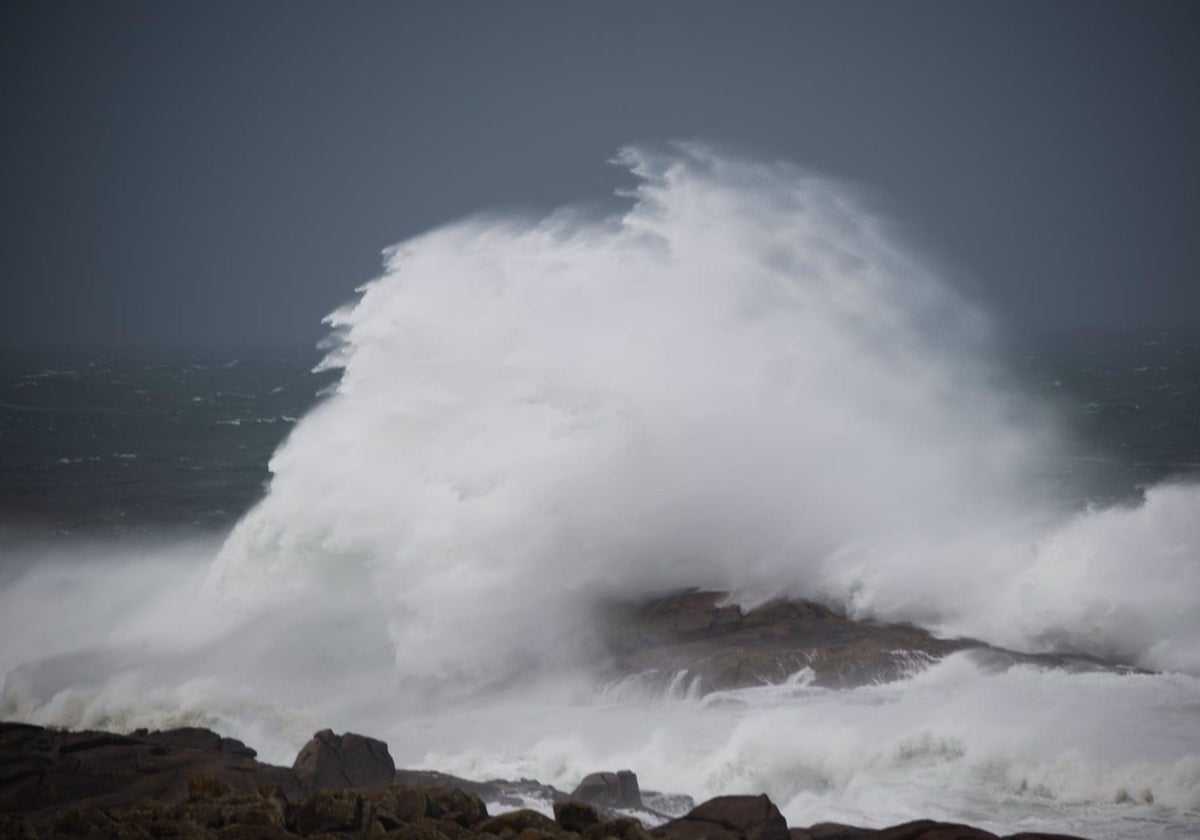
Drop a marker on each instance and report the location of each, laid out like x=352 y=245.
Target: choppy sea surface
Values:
x=98 y=443
x=744 y=383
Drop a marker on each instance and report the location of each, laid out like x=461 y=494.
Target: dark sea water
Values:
x=98 y=443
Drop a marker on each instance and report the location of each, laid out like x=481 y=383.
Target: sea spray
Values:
x=745 y=382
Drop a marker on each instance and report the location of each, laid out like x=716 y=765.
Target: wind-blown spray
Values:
x=745 y=382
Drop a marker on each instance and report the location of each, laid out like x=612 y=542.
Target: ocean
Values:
x=746 y=383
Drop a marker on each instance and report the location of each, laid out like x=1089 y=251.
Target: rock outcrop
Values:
x=724 y=646
x=338 y=761
x=42 y=770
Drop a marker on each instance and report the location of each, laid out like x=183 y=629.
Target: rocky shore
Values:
x=193 y=783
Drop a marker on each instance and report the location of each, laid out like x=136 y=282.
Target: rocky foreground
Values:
x=192 y=783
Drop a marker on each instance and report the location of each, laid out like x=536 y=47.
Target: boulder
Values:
x=575 y=815
x=729 y=818
x=611 y=790
x=344 y=761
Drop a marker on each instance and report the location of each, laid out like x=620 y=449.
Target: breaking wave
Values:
x=746 y=382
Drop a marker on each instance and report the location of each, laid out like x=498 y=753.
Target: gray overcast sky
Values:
x=226 y=173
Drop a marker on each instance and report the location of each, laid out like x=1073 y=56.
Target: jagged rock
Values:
x=622 y=828
x=417 y=831
x=44 y=770
x=338 y=761
x=575 y=815
x=930 y=830
x=456 y=806
x=400 y=804
x=517 y=822
x=837 y=831
x=729 y=818
x=614 y=790
x=328 y=811
x=16 y=828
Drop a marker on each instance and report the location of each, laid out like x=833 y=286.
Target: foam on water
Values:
x=746 y=382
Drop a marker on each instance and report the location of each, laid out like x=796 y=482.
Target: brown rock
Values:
x=837 y=831
x=400 y=804
x=575 y=815
x=45 y=770
x=930 y=830
x=515 y=822
x=730 y=817
x=416 y=831
x=723 y=646
x=612 y=790
x=344 y=761
x=329 y=811
x=447 y=803
x=622 y=828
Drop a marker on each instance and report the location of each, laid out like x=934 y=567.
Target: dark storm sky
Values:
x=226 y=173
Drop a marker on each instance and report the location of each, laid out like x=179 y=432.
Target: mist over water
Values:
x=746 y=382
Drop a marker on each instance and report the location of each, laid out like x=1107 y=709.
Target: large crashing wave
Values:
x=745 y=382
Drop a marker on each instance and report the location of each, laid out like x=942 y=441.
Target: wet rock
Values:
x=930 y=830
x=837 y=831
x=45 y=770
x=454 y=805
x=575 y=815
x=718 y=645
x=722 y=646
x=729 y=818
x=343 y=761
x=329 y=811
x=613 y=790
x=191 y=784
x=516 y=822
x=622 y=828
x=417 y=831
x=400 y=804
